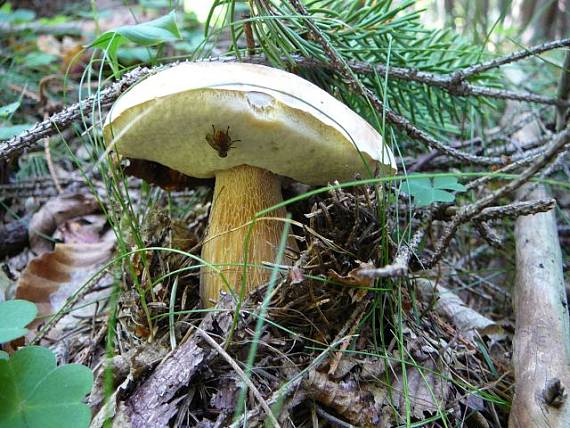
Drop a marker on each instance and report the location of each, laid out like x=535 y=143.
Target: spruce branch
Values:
x=454 y=83
x=400 y=122
x=448 y=82
x=516 y=56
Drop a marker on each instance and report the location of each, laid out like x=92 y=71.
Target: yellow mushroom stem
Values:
x=239 y=194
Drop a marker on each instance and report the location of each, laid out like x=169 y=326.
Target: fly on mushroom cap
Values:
x=246 y=125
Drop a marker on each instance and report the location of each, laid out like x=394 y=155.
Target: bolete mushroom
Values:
x=246 y=125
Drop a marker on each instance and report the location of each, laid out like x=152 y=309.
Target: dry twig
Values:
x=468 y=212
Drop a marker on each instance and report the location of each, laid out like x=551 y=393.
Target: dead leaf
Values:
x=82 y=230
x=351 y=400
x=451 y=306
x=70 y=53
x=224 y=399
x=54 y=212
x=426 y=390
x=50 y=279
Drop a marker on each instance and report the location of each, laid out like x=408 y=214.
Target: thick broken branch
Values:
x=541 y=346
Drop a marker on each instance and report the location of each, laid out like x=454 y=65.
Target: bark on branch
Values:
x=541 y=354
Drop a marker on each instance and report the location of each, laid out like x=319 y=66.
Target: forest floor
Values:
x=394 y=312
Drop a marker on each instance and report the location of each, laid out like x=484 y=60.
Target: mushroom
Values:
x=246 y=125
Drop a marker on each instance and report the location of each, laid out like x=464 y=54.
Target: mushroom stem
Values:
x=239 y=194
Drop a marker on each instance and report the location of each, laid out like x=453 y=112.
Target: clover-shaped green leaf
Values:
x=34 y=392
x=14 y=316
x=160 y=30
x=427 y=191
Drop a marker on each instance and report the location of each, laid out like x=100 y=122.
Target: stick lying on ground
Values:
x=541 y=355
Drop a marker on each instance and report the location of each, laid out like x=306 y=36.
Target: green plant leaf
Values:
x=34 y=392
x=426 y=191
x=37 y=59
x=136 y=54
x=160 y=30
x=9 y=109
x=14 y=316
x=16 y=16
x=10 y=130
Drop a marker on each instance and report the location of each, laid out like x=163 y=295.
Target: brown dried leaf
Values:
x=224 y=399
x=351 y=400
x=427 y=390
x=50 y=279
x=52 y=214
x=352 y=279
x=82 y=230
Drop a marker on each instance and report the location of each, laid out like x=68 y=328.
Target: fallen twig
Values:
x=401 y=265
x=63 y=119
x=468 y=212
x=516 y=209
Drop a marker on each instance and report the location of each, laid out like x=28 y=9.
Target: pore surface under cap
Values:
x=286 y=124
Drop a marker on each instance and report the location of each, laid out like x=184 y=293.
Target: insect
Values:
x=220 y=141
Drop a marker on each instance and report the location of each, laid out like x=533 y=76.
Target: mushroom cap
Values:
x=284 y=124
